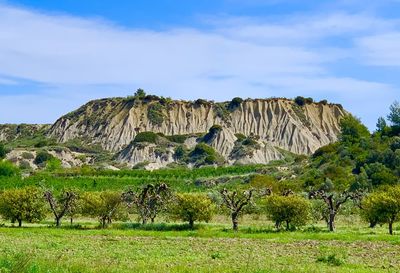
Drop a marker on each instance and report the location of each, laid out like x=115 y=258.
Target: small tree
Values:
x=140 y=94
x=61 y=204
x=383 y=207
x=334 y=201
x=106 y=205
x=191 y=207
x=24 y=204
x=381 y=125
x=394 y=115
x=149 y=201
x=293 y=210
x=236 y=201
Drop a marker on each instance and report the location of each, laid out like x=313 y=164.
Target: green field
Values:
x=212 y=247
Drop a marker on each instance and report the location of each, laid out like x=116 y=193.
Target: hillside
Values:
x=248 y=131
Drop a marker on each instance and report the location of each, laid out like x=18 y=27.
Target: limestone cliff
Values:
x=273 y=123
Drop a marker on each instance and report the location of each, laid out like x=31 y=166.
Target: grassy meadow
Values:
x=210 y=247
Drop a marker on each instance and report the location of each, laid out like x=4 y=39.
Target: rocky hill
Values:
x=155 y=131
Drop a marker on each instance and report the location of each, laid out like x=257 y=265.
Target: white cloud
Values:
x=78 y=57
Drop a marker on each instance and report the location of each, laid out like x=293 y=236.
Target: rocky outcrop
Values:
x=277 y=123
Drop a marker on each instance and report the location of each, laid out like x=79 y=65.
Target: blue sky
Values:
x=57 y=55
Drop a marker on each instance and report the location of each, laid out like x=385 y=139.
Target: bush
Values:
x=149 y=137
x=192 y=207
x=300 y=101
x=235 y=103
x=291 y=209
x=155 y=113
x=53 y=164
x=177 y=138
x=28 y=156
x=140 y=94
x=200 y=102
x=8 y=169
x=212 y=132
x=24 y=204
x=205 y=154
x=3 y=151
x=42 y=157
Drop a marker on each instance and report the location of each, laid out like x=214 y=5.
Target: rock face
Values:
x=273 y=123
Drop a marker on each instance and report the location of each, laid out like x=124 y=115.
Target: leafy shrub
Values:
x=205 y=154
x=221 y=111
x=331 y=259
x=300 y=101
x=323 y=102
x=192 y=207
x=28 y=156
x=212 y=132
x=180 y=153
x=177 y=138
x=140 y=94
x=42 y=157
x=53 y=164
x=200 y=102
x=24 y=165
x=3 y=151
x=235 y=103
x=8 y=169
x=149 y=137
x=155 y=113
x=293 y=210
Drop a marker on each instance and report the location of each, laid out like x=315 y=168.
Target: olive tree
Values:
x=60 y=205
x=106 y=205
x=149 y=201
x=235 y=202
x=333 y=202
x=382 y=207
x=191 y=207
x=291 y=209
x=25 y=204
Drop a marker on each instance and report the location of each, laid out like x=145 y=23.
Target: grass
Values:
x=172 y=247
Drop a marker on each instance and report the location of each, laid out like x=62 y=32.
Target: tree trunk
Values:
x=144 y=221
x=71 y=221
x=332 y=215
x=372 y=224
x=103 y=222
x=277 y=224
x=391 y=228
x=58 y=222
x=235 y=221
x=19 y=223
x=152 y=220
x=191 y=223
x=287 y=225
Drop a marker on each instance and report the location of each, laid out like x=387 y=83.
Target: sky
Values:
x=57 y=55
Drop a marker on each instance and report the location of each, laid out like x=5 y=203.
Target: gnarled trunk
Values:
x=235 y=221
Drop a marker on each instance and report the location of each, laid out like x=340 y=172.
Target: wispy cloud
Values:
x=78 y=59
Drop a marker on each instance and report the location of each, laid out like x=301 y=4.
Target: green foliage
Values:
x=3 y=151
x=24 y=204
x=27 y=155
x=193 y=207
x=53 y=164
x=352 y=130
x=140 y=94
x=394 y=115
x=181 y=153
x=149 y=137
x=177 y=138
x=235 y=103
x=7 y=169
x=331 y=259
x=212 y=133
x=106 y=205
x=221 y=111
x=42 y=157
x=383 y=207
x=155 y=113
x=205 y=154
x=301 y=101
x=291 y=209
x=381 y=125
